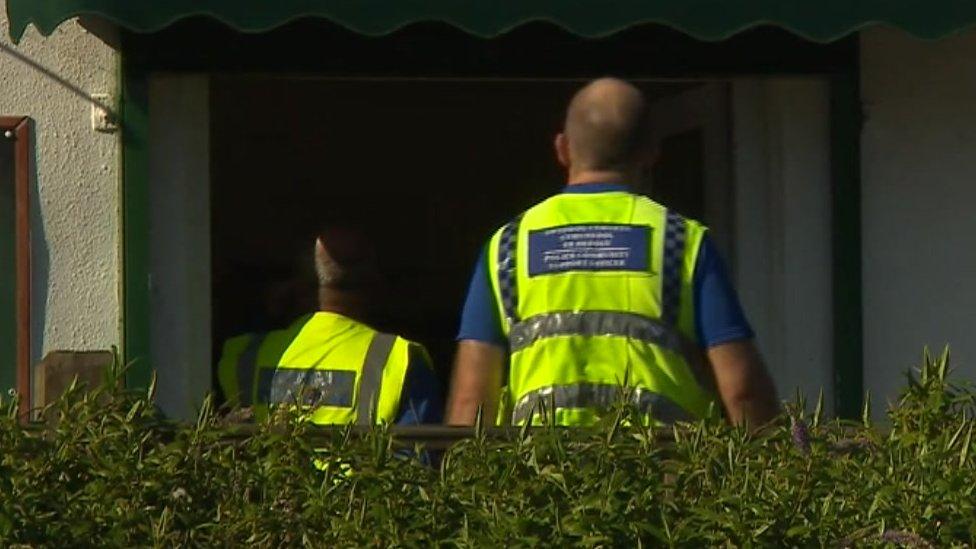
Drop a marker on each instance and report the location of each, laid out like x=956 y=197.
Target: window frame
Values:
x=20 y=129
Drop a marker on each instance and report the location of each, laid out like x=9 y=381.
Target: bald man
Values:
x=332 y=361
x=598 y=294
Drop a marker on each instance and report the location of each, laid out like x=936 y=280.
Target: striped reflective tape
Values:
x=674 y=253
x=306 y=386
x=372 y=377
x=593 y=323
x=507 y=273
x=320 y=387
x=599 y=397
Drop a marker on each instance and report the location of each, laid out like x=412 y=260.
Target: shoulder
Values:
x=238 y=339
x=236 y=344
x=412 y=346
x=419 y=356
x=692 y=227
x=647 y=206
x=419 y=370
x=695 y=226
x=413 y=352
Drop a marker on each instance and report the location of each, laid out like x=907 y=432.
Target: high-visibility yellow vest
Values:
x=341 y=369
x=595 y=295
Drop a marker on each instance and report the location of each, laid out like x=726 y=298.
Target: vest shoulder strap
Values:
x=675 y=236
x=507 y=265
x=371 y=377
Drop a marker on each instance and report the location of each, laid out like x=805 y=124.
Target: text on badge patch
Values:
x=589 y=248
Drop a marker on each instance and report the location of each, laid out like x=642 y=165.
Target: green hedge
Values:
x=108 y=473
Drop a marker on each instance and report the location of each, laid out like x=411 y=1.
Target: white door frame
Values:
x=179 y=241
x=704 y=107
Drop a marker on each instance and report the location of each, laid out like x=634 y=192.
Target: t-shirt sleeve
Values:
x=718 y=314
x=423 y=395
x=479 y=318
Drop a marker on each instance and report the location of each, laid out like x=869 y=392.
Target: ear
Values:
x=324 y=263
x=320 y=252
x=561 y=145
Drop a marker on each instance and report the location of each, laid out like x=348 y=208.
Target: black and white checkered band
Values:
x=507 y=275
x=674 y=252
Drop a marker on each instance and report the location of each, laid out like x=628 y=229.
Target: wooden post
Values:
x=60 y=368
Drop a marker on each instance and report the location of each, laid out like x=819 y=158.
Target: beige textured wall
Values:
x=919 y=221
x=75 y=218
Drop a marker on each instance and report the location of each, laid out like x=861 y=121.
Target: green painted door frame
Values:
x=845 y=164
x=177 y=51
x=135 y=220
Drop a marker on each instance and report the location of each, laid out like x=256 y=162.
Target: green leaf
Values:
x=966 y=443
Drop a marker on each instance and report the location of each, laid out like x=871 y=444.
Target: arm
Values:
x=475 y=383
x=732 y=360
x=481 y=360
x=744 y=385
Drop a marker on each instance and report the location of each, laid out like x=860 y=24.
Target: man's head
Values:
x=348 y=275
x=606 y=130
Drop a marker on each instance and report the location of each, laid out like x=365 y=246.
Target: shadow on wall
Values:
x=58 y=79
x=40 y=252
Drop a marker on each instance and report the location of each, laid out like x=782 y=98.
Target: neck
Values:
x=583 y=177
x=341 y=303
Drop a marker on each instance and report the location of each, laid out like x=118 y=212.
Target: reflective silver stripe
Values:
x=284 y=385
x=674 y=256
x=372 y=377
x=593 y=323
x=246 y=364
x=599 y=397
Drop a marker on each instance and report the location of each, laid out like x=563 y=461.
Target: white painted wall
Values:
x=919 y=203
x=179 y=238
x=781 y=166
x=76 y=241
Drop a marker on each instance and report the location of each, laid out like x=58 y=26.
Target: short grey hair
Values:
x=344 y=259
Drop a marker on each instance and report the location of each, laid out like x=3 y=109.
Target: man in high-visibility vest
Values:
x=331 y=361
x=598 y=294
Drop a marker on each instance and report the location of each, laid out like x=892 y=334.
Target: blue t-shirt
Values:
x=718 y=315
x=422 y=400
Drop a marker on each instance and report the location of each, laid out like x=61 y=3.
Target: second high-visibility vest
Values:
x=343 y=370
x=595 y=295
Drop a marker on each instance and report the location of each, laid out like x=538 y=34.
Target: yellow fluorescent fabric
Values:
x=323 y=342
x=227 y=367
x=581 y=359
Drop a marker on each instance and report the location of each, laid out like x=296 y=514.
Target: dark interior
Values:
x=428 y=168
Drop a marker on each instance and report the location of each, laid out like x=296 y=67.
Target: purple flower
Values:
x=801 y=437
x=905 y=539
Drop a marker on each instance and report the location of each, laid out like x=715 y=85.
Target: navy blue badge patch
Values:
x=589 y=248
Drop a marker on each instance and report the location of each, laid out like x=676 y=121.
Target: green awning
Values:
x=817 y=20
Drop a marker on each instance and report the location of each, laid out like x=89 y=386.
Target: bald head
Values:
x=606 y=126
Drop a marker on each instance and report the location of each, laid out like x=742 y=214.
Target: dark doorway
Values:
x=427 y=167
